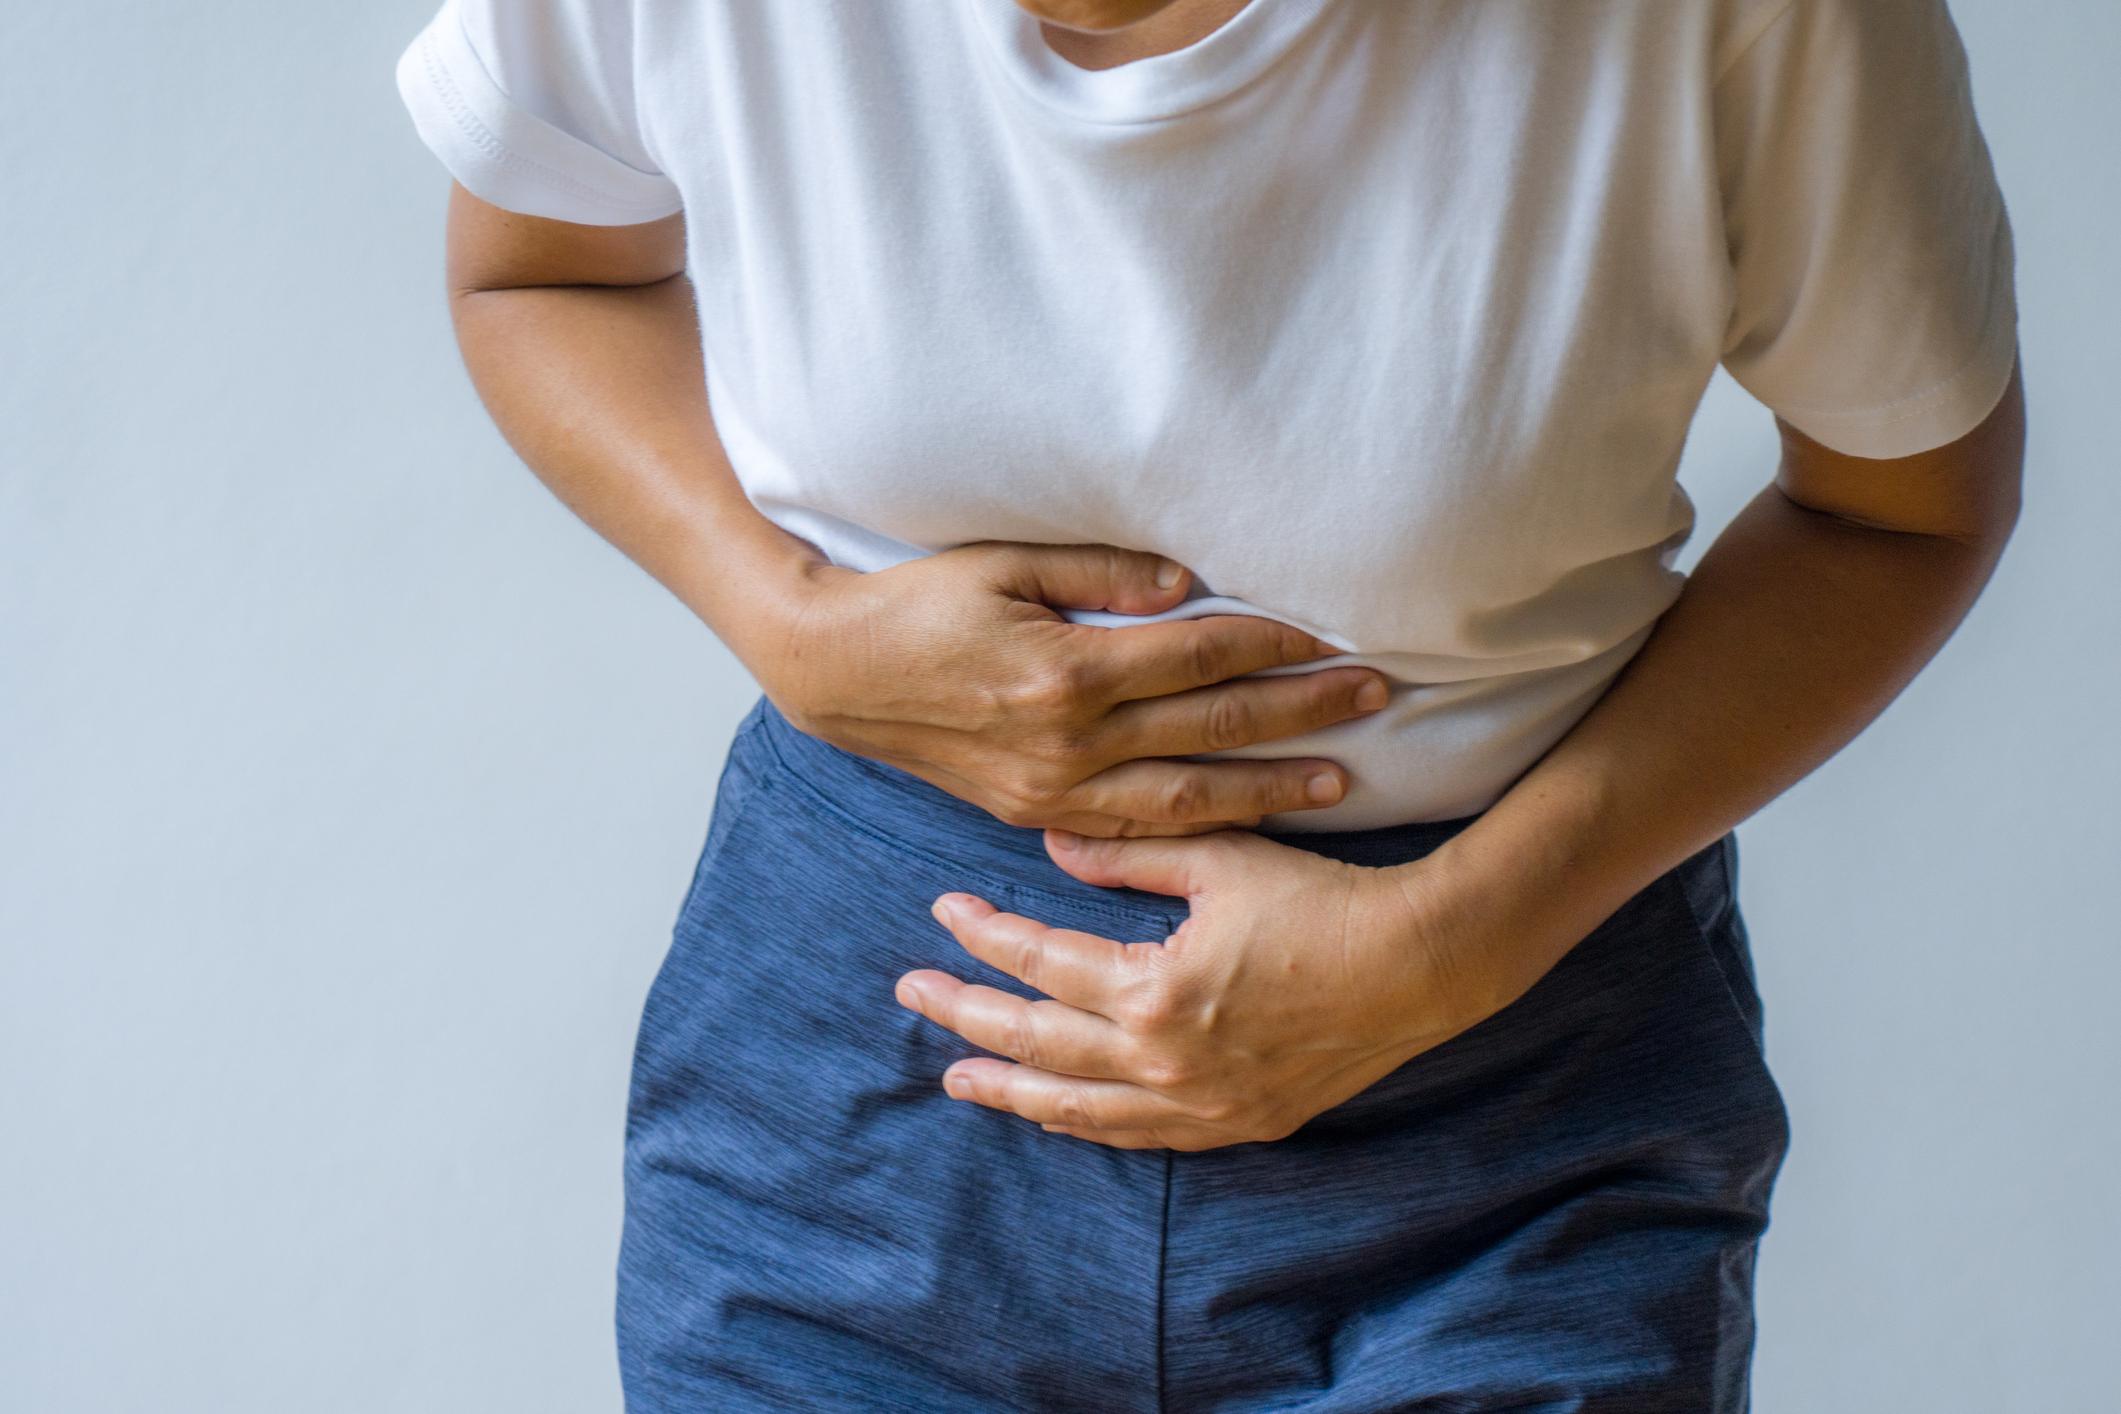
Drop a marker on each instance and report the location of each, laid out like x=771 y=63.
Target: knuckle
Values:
x=1029 y=792
x=1183 y=797
x=1167 y=1072
x=1074 y=1113
x=1019 y=1039
x=1227 y=722
x=1031 y=963
x=1205 y=658
x=1036 y=783
x=1149 y=1008
x=1064 y=743
x=1052 y=689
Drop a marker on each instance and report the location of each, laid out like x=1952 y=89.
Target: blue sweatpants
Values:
x=1557 y=1210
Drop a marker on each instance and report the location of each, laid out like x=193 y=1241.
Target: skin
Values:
x=1101 y=34
x=1296 y=981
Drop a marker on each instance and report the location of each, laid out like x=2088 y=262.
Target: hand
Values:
x=956 y=667
x=1296 y=982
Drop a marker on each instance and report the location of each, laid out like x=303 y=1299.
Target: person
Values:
x=1227 y=896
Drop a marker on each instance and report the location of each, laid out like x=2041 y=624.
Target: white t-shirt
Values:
x=1387 y=318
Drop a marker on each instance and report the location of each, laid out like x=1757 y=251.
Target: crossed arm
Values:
x=1298 y=982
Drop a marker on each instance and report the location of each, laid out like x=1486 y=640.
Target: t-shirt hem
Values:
x=504 y=154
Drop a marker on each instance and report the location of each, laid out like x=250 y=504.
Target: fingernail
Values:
x=1371 y=694
x=1323 y=787
x=1066 y=841
x=1167 y=574
x=906 y=995
x=943 y=908
x=956 y=1084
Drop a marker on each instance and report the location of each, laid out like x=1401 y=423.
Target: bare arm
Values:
x=1297 y=981
x=583 y=343
x=1812 y=610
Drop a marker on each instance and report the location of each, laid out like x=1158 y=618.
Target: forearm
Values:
x=1796 y=629
x=599 y=390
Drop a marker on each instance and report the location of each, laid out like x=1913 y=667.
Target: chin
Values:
x=1093 y=16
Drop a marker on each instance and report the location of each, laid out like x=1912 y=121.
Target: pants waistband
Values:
x=938 y=822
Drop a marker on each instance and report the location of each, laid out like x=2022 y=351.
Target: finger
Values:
x=1081 y=969
x=1110 y=1138
x=1049 y=1098
x=1185 y=1140
x=1047 y=1034
x=1176 y=655
x=1241 y=713
x=1182 y=868
x=1160 y=790
x=1100 y=826
x=1086 y=576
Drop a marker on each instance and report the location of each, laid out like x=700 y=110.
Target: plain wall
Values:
x=348 y=788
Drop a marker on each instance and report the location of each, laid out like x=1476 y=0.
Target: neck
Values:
x=1178 y=24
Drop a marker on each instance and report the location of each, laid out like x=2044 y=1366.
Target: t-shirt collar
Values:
x=1147 y=90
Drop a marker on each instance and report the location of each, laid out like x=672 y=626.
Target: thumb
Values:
x=1092 y=577
x=1179 y=865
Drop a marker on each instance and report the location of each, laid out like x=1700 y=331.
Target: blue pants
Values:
x=1555 y=1210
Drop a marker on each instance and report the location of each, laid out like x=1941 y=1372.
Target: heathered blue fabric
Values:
x=1557 y=1210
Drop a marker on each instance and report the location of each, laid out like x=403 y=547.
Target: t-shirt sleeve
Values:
x=1873 y=306
x=530 y=105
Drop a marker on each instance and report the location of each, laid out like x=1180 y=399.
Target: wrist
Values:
x=754 y=588
x=1444 y=962
x=1505 y=899
x=781 y=635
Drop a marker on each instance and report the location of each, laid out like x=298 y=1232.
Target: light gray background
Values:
x=348 y=788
